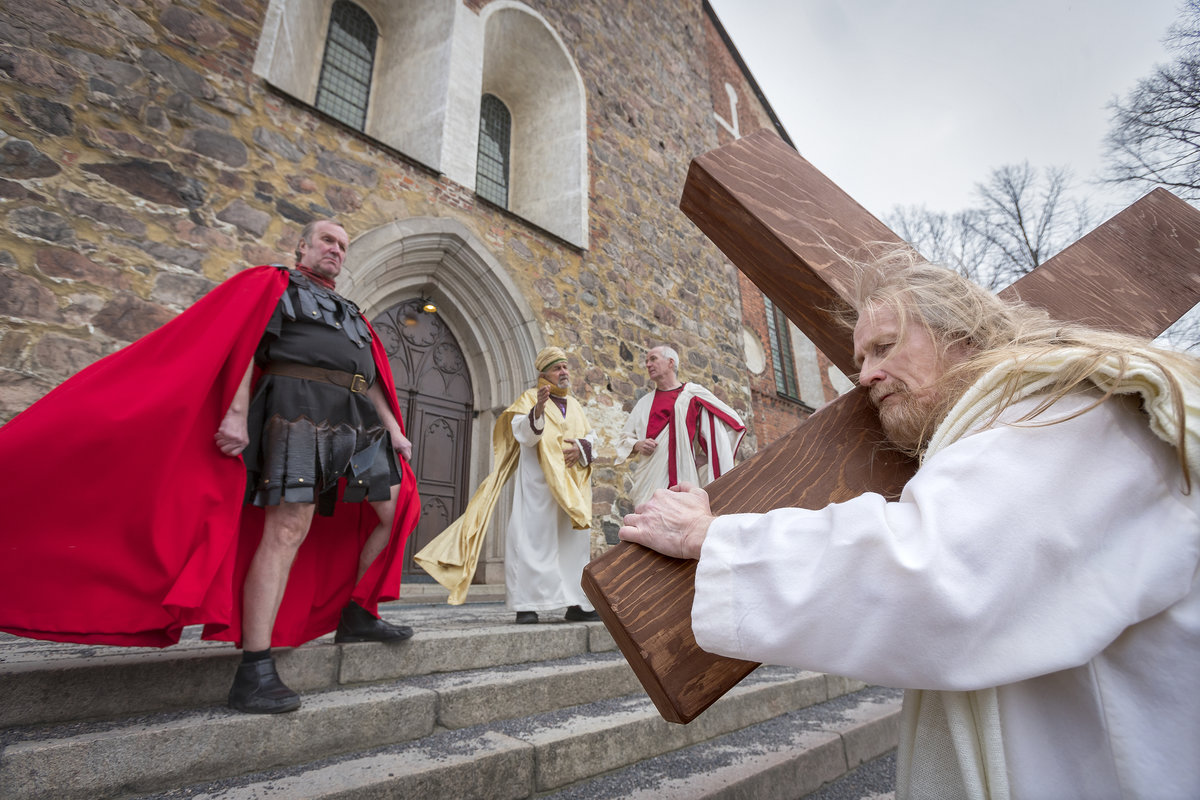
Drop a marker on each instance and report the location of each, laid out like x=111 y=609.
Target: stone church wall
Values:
x=142 y=162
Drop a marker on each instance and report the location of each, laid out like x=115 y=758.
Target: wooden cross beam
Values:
x=784 y=224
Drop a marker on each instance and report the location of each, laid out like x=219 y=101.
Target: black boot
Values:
x=359 y=625
x=257 y=689
x=577 y=614
x=526 y=617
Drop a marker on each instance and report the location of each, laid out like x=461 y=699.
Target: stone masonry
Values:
x=142 y=162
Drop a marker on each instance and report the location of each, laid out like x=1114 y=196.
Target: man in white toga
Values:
x=680 y=432
x=545 y=440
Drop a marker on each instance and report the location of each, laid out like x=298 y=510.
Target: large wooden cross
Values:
x=783 y=223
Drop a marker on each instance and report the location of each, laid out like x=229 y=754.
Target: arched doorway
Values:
x=493 y=326
x=433 y=386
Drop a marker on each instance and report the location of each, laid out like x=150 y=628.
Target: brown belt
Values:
x=290 y=369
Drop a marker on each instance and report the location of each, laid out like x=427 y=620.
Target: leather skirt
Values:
x=314 y=442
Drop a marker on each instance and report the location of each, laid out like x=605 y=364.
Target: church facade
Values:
x=509 y=174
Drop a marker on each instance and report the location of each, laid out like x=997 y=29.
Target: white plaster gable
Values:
x=434 y=61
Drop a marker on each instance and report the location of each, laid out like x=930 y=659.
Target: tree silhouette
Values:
x=1024 y=216
x=1155 y=135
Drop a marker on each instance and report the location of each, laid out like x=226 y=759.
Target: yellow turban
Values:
x=548 y=357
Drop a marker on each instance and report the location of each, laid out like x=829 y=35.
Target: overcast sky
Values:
x=913 y=102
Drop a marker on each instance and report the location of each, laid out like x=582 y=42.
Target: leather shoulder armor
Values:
x=314 y=303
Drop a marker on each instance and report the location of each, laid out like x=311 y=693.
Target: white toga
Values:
x=544 y=555
x=1057 y=564
x=719 y=436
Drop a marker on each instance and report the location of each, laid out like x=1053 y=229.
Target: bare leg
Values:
x=357 y=624
x=284 y=530
x=256 y=686
x=377 y=541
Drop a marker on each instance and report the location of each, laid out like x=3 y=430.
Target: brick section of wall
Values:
x=723 y=69
x=773 y=416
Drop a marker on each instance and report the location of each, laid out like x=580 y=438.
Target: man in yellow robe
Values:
x=546 y=440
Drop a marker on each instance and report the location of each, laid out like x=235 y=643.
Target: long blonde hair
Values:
x=998 y=332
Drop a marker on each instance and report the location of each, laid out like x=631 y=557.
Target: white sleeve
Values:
x=1014 y=552
x=524 y=433
x=635 y=425
x=588 y=454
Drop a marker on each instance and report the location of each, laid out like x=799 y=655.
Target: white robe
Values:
x=1058 y=564
x=652 y=472
x=544 y=555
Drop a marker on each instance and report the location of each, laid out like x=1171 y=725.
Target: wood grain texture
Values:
x=645 y=598
x=786 y=225
x=1137 y=273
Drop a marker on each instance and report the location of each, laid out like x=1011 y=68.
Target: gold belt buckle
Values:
x=358 y=383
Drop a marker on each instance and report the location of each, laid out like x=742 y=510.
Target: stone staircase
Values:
x=472 y=706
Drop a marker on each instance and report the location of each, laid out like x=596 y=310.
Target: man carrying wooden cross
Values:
x=1035 y=587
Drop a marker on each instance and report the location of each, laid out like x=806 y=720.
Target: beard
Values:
x=908 y=419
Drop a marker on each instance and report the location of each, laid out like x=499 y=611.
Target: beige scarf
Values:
x=950 y=742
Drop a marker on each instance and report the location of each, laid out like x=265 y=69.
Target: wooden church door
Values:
x=433 y=387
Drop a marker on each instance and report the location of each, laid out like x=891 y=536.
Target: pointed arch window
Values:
x=783 y=361
x=495 y=135
x=345 y=83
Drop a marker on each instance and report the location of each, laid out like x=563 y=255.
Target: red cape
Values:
x=120 y=520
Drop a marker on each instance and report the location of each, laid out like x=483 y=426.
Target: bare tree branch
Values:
x=946 y=239
x=1184 y=334
x=1154 y=139
x=1024 y=217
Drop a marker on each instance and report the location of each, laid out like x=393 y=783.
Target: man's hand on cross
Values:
x=673 y=522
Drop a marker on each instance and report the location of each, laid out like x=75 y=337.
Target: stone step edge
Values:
x=872 y=780
x=463 y=699
x=223 y=743
x=55 y=753
x=785 y=757
x=118 y=685
x=493 y=765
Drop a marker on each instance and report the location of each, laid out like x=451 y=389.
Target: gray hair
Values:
x=671 y=355
x=307 y=231
x=957 y=312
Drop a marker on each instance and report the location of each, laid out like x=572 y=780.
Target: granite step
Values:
x=46 y=682
x=222 y=742
x=472 y=706
x=576 y=752
x=787 y=756
x=874 y=780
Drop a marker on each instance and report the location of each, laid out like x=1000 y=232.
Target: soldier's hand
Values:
x=233 y=434
x=402 y=445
